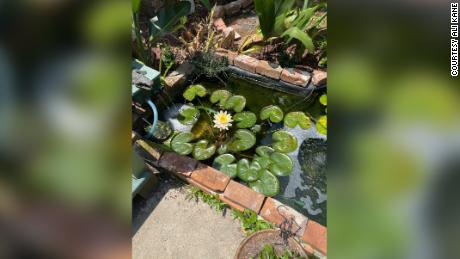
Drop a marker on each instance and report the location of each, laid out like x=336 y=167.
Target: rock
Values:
x=319 y=77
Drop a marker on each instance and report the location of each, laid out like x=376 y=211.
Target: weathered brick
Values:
x=231 y=203
x=308 y=249
x=232 y=8
x=246 y=62
x=283 y=216
x=230 y=55
x=319 y=77
x=219 y=24
x=210 y=177
x=243 y=196
x=226 y=31
x=148 y=152
x=178 y=77
x=269 y=69
x=182 y=166
x=295 y=76
x=316 y=236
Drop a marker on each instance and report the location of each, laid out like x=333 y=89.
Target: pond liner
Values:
x=273 y=84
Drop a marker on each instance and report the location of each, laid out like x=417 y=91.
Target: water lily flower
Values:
x=222 y=120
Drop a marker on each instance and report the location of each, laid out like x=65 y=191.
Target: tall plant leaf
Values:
x=167 y=18
x=206 y=4
x=266 y=12
x=296 y=33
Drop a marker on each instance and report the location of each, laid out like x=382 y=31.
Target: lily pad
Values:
x=272 y=112
x=203 y=150
x=284 y=142
x=248 y=172
x=220 y=96
x=222 y=149
x=224 y=163
x=321 y=125
x=236 y=102
x=263 y=156
x=242 y=140
x=180 y=143
x=323 y=100
x=245 y=119
x=189 y=115
x=267 y=184
x=256 y=128
x=281 y=164
x=293 y=119
x=193 y=91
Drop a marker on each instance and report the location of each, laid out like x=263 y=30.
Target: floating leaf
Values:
x=222 y=149
x=194 y=90
x=180 y=143
x=242 y=140
x=236 y=102
x=256 y=128
x=220 y=96
x=284 y=141
x=273 y=112
x=263 y=156
x=281 y=164
x=245 y=119
x=190 y=115
x=248 y=172
x=293 y=119
x=323 y=100
x=203 y=150
x=267 y=184
x=321 y=125
x=224 y=164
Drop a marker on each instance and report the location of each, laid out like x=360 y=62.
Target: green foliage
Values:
x=248 y=172
x=220 y=96
x=203 y=150
x=284 y=142
x=268 y=252
x=242 y=140
x=293 y=119
x=189 y=115
x=212 y=200
x=236 y=102
x=245 y=119
x=207 y=4
x=224 y=163
x=272 y=112
x=249 y=221
x=323 y=99
x=194 y=90
x=281 y=164
x=206 y=64
x=321 y=125
x=180 y=143
x=267 y=183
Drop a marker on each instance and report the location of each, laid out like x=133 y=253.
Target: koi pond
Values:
x=272 y=141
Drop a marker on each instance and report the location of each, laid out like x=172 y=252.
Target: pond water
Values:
x=305 y=188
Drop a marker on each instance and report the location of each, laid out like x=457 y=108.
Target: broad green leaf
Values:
x=263 y=156
x=190 y=115
x=206 y=4
x=224 y=163
x=222 y=149
x=296 y=33
x=167 y=18
x=194 y=90
x=293 y=119
x=281 y=164
x=256 y=128
x=267 y=184
x=321 y=125
x=236 y=102
x=180 y=143
x=284 y=142
x=272 y=112
x=242 y=140
x=265 y=10
x=203 y=150
x=220 y=96
x=323 y=100
x=136 y=4
x=245 y=119
x=248 y=172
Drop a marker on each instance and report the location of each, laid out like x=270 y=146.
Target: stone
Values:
x=178 y=77
x=219 y=11
x=269 y=69
x=181 y=166
x=246 y=63
x=319 y=77
x=150 y=153
x=316 y=236
x=243 y=196
x=296 y=77
x=232 y=8
x=283 y=216
x=210 y=178
x=219 y=24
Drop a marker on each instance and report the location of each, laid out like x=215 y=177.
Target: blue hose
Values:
x=155 y=117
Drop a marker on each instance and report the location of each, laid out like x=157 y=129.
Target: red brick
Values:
x=210 y=178
x=295 y=76
x=182 y=166
x=308 y=249
x=230 y=55
x=269 y=69
x=319 y=77
x=246 y=63
x=231 y=203
x=244 y=196
x=219 y=24
x=316 y=236
x=232 y=8
x=283 y=216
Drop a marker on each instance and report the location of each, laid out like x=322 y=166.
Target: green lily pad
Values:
x=263 y=156
x=323 y=100
x=203 y=150
x=284 y=142
x=281 y=164
x=236 y=102
x=242 y=140
x=222 y=149
x=293 y=119
x=248 y=172
x=189 y=115
x=321 y=125
x=256 y=128
x=272 y=112
x=220 y=96
x=192 y=91
x=245 y=119
x=180 y=143
x=267 y=184
x=224 y=163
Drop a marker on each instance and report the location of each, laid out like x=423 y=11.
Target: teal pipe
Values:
x=155 y=117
